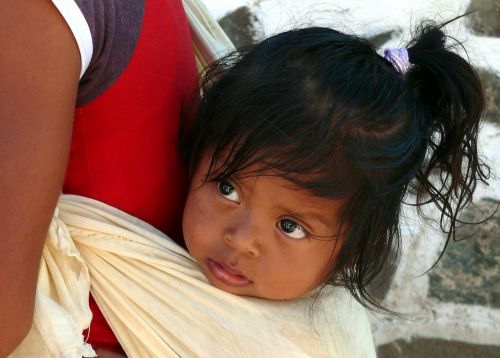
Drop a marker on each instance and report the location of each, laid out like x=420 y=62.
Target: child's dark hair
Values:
x=323 y=110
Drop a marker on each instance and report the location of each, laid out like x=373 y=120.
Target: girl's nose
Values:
x=244 y=238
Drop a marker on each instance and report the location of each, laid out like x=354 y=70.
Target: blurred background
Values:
x=453 y=310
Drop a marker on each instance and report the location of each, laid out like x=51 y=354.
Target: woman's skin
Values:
x=39 y=73
x=101 y=353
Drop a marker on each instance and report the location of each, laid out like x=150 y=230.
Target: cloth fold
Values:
x=159 y=304
x=209 y=40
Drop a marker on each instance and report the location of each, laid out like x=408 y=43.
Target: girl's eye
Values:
x=228 y=191
x=291 y=229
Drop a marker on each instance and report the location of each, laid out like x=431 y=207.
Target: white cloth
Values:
x=159 y=304
x=209 y=40
x=79 y=28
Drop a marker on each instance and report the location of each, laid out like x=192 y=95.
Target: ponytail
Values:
x=450 y=91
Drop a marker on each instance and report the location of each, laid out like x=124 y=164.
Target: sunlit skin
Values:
x=260 y=236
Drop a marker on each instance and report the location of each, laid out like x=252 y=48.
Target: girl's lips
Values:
x=225 y=276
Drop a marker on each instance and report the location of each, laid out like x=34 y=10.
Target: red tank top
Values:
x=124 y=141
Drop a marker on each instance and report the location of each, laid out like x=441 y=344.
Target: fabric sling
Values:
x=159 y=304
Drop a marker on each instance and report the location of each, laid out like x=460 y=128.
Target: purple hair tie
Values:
x=398 y=58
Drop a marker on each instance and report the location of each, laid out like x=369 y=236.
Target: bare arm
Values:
x=39 y=68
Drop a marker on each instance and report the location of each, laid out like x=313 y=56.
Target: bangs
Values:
x=297 y=163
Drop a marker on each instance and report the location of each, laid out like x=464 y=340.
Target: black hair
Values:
x=323 y=110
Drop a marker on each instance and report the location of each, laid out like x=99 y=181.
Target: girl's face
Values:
x=260 y=236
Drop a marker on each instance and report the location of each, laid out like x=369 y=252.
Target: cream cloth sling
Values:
x=159 y=304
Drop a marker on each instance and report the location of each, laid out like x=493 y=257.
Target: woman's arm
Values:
x=39 y=69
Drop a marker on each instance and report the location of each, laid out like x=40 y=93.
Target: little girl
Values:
x=301 y=152
x=304 y=148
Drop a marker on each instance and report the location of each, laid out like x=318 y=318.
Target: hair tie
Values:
x=398 y=58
